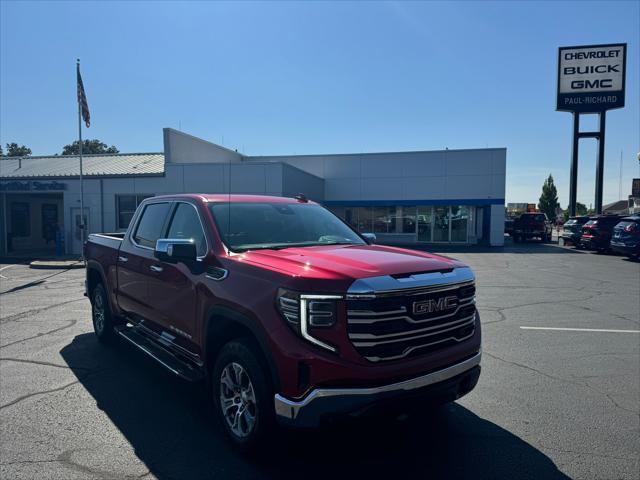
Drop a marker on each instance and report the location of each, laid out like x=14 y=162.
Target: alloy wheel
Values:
x=237 y=400
x=98 y=313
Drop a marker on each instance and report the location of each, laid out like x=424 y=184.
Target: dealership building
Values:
x=439 y=197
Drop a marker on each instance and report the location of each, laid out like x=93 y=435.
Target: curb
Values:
x=56 y=264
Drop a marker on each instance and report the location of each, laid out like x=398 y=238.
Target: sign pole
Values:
x=600 y=165
x=82 y=225
x=573 y=179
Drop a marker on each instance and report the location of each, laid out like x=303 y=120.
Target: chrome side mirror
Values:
x=176 y=250
x=370 y=238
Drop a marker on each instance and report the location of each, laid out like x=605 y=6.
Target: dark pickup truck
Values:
x=532 y=225
x=288 y=314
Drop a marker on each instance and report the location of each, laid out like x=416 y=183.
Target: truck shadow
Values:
x=170 y=426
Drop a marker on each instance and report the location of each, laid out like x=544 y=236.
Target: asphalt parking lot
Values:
x=549 y=404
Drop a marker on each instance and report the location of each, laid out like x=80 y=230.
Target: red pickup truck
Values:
x=287 y=313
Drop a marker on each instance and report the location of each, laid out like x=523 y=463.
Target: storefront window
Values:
x=459 y=223
x=365 y=219
x=424 y=216
x=407 y=220
x=440 y=224
x=384 y=219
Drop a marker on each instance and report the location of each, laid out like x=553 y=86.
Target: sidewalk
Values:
x=58 y=263
x=43 y=260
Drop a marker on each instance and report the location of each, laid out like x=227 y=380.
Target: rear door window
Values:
x=151 y=224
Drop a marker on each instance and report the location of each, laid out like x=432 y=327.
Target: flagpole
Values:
x=82 y=225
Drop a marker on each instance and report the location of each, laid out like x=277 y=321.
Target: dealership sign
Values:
x=591 y=78
x=31 y=186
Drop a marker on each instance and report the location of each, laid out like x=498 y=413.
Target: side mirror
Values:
x=370 y=238
x=176 y=250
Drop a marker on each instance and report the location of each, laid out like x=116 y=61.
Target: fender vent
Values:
x=216 y=273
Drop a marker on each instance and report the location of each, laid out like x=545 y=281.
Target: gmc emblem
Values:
x=431 y=305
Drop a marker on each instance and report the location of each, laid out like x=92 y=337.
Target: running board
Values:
x=160 y=355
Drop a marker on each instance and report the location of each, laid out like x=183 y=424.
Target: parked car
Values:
x=532 y=225
x=596 y=233
x=626 y=237
x=572 y=230
x=508 y=227
x=289 y=314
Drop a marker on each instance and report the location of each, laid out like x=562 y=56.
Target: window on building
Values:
x=408 y=217
x=186 y=224
x=151 y=223
x=459 y=223
x=425 y=219
x=384 y=219
x=20 y=219
x=125 y=208
x=365 y=219
x=441 y=224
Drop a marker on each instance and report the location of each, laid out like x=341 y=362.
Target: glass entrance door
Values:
x=425 y=220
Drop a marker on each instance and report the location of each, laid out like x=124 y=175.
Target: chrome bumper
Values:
x=307 y=412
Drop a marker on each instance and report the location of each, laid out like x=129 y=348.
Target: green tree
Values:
x=581 y=209
x=88 y=147
x=15 y=150
x=549 y=199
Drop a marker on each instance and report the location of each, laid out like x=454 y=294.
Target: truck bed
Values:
x=103 y=248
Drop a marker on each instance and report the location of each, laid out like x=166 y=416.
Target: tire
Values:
x=101 y=315
x=240 y=383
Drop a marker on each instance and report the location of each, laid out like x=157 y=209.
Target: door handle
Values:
x=156 y=268
x=123 y=259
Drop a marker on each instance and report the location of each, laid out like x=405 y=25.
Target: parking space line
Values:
x=605 y=330
x=4 y=268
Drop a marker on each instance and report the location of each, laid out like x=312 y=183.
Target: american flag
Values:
x=82 y=101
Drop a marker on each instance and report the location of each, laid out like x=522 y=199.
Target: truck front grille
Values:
x=400 y=324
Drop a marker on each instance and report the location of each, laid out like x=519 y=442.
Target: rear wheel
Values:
x=242 y=395
x=101 y=315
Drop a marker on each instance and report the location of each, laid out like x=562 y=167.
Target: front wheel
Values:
x=242 y=395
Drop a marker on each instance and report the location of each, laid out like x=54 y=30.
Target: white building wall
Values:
x=497 y=226
x=180 y=147
x=438 y=175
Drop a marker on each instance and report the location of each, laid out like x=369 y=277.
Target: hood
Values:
x=348 y=261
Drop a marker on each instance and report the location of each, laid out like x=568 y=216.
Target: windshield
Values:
x=253 y=226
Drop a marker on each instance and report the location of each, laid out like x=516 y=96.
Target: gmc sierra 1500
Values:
x=287 y=313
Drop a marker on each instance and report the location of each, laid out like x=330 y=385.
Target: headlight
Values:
x=306 y=312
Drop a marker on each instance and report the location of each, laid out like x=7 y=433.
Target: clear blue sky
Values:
x=276 y=78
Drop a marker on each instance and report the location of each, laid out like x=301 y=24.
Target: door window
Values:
x=186 y=224
x=150 y=225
